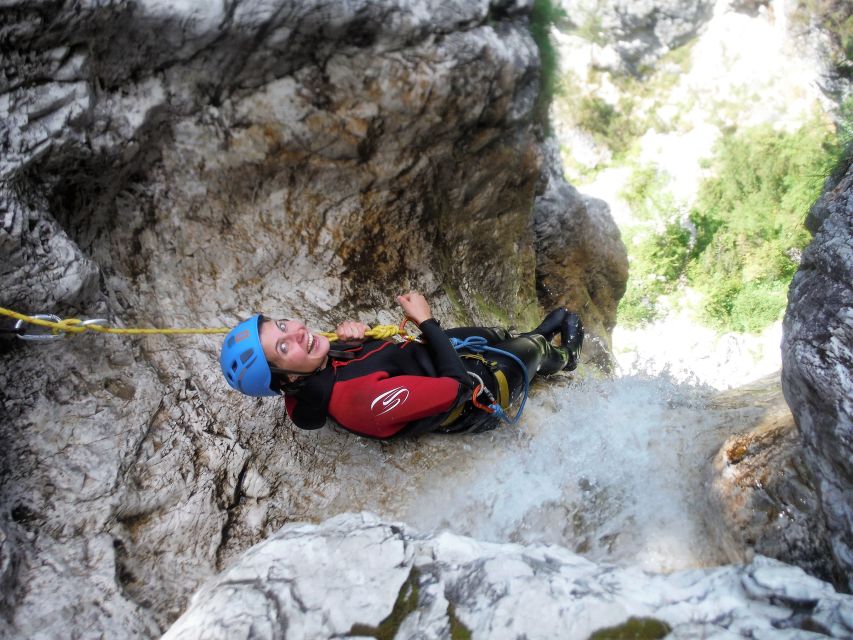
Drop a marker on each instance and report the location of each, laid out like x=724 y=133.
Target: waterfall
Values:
x=610 y=469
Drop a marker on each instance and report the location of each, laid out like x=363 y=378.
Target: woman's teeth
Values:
x=310 y=342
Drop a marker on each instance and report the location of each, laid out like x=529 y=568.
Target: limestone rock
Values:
x=817 y=353
x=749 y=7
x=638 y=32
x=42 y=267
x=568 y=225
x=8 y=568
x=316 y=581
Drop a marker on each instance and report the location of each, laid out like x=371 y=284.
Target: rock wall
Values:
x=632 y=34
x=580 y=259
x=309 y=581
x=817 y=354
x=762 y=493
x=187 y=164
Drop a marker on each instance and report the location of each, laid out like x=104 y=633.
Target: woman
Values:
x=380 y=388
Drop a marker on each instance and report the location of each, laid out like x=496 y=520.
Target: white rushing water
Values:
x=611 y=469
x=614 y=469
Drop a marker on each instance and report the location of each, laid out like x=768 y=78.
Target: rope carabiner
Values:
x=23 y=330
x=24 y=333
x=479 y=344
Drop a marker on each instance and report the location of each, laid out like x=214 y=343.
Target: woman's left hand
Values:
x=351 y=330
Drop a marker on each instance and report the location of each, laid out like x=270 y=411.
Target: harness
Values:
x=477 y=345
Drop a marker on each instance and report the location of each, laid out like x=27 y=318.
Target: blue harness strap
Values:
x=478 y=344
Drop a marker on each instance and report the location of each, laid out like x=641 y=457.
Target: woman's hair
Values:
x=281 y=381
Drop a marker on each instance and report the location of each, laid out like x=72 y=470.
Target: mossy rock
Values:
x=634 y=629
x=406 y=603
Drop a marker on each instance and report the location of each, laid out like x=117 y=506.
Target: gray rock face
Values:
x=41 y=261
x=817 y=353
x=638 y=31
x=185 y=165
x=749 y=7
x=566 y=225
x=316 y=581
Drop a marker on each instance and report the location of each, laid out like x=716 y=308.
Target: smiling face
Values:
x=290 y=345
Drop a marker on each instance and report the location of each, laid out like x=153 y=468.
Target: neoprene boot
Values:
x=572 y=335
x=538 y=355
x=552 y=324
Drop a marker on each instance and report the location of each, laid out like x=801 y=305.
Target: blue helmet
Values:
x=243 y=362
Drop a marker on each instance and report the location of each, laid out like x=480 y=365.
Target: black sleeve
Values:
x=447 y=361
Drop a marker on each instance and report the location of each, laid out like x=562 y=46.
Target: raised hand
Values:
x=415 y=306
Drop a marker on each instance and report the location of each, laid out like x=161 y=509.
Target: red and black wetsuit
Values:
x=391 y=388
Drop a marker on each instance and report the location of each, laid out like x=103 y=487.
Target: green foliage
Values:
x=657 y=261
x=634 y=629
x=546 y=13
x=639 y=305
x=609 y=125
x=745 y=306
x=647 y=195
x=659 y=248
x=741 y=243
x=618 y=125
x=750 y=221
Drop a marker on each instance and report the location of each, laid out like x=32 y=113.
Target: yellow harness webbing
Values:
x=503 y=389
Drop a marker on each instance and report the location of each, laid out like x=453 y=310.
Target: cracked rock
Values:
x=416 y=585
x=817 y=358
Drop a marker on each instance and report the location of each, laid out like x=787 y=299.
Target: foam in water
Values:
x=610 y=469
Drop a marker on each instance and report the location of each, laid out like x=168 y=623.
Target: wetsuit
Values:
x=382 y=389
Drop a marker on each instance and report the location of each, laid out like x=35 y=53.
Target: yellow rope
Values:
x=74 y=325
x=379 y=332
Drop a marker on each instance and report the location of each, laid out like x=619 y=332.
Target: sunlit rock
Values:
x=632 y=34
x=357 y=575
x=817 y=353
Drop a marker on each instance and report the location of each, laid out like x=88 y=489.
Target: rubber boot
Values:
x=552 y=324
x=572 y=335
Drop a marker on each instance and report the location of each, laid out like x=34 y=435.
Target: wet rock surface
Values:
x=817 y=353
x=417 y=585
x=762 y=493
